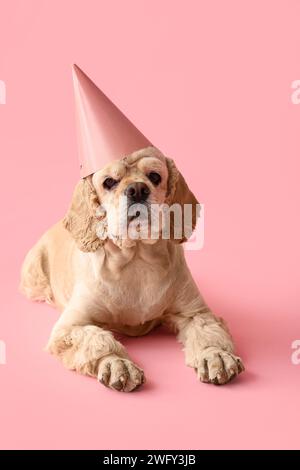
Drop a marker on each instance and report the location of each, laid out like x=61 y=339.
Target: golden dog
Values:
x=129 y=286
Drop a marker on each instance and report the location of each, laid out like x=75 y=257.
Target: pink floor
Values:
x=44 y=406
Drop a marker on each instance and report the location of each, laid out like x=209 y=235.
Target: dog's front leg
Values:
x=93 y=351
x=208 y=345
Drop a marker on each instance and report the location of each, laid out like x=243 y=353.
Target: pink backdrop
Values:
x=210 y=84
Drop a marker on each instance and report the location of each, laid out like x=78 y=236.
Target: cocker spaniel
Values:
x=102 y=281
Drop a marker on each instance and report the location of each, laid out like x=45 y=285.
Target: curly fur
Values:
x=81 y=218
x=101 y=286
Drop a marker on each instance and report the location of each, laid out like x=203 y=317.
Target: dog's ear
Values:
x=178 y=193
x=81 y=219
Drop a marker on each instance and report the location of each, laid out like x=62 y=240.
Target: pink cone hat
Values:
x=104 y=133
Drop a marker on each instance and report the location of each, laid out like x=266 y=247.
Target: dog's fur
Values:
x=125 y=286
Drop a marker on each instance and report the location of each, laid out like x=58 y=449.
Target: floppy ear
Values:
x=81 y=218
x=179 y=193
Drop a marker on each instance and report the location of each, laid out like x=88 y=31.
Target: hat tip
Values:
x=76 y=71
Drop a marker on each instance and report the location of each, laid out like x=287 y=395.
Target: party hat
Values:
x=104 y=133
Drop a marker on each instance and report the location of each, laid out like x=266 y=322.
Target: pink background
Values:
x=210 y=84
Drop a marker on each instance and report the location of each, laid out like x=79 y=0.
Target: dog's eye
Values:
x=154 y=177
x=109 y=183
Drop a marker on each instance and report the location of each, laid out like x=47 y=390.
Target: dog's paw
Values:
x=217 y=366
x=120 y=374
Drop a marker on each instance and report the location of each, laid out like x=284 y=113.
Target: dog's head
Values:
x=131 y=193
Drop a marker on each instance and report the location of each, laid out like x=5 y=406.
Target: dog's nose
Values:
x=137 y=192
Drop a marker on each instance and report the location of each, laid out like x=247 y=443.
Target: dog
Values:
x=104 y=283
